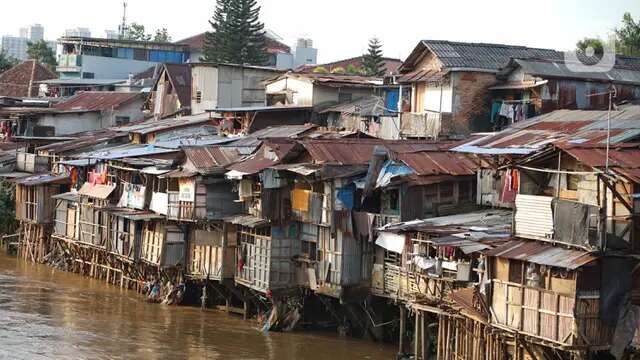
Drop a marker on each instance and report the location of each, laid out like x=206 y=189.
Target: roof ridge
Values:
x=427 y=41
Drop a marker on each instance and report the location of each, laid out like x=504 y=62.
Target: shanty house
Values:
x=319 y=90
x=450 y=84
x=528 y=87
x=425 y=260
x=85 y=111
x=171 y=93
x=372 y=115
x=228 y=86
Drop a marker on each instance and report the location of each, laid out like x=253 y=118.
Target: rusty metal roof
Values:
x=421 y=75
x=206 y=159
x=270 y=154
x=42 y=180
x=96 y=101
x=578 y=128
x=596 y=157
x=543 y=254
x=335 y=80
x=439 y=163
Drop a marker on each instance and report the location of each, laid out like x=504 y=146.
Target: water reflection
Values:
x=48 y=314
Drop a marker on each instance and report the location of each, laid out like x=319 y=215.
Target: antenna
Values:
x=123 y=26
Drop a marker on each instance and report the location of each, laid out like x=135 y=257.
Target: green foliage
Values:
x=41 y=52
x=8 y=222
x=237 y=34
x=588 y=45
x=372 y=61
x=320 y=70
x=6 y=61
x=137 y=32
x=353 y=70
x=628 y=36
x=338 y=70
x=162 y=35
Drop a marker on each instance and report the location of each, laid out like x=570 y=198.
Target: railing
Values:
x=399 y=283
x=560 y=318
x=179 y=210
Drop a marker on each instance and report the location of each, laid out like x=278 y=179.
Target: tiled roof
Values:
x=480 y=56
x=15 y=81
x=96 y=101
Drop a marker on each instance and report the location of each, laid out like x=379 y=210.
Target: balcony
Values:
x=426 y=125
x=69 y=63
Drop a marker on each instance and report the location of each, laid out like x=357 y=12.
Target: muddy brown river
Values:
x=49 y=314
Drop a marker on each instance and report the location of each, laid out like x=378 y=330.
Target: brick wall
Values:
x=471 y=103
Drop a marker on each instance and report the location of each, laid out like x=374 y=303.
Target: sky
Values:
x=341 y=28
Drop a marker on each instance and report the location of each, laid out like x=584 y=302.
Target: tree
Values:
x=237 y=34
x=338 y=70
x=591 y=47
x=628 y=36
x=352 y=70
x=372 y=61
x=6 y=61
x=41 y=52
x=162 y=35
x=137 y=32
x=320 y=70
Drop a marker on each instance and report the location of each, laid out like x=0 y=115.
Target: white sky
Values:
x=341 y=28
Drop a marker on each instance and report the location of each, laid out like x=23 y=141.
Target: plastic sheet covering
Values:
x=391 y=170
x=345 y=197
x=424 y=262
x=391 y=242
x=300 y=199
x=616 y=286
x=576 y=224
x=159 y=203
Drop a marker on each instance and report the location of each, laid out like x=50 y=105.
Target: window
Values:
x=88 y=75
x=121 y=120
x=198 y=97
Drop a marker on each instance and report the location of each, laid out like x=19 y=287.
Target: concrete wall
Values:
x=113 y=68
x=301 y=90
x=70 y=123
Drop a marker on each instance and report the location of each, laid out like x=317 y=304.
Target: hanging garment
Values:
x=245 y=189
x=508 y=194
x=504 y=110
x=495 y=110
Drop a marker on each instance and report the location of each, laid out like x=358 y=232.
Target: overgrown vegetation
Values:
x=8 y=222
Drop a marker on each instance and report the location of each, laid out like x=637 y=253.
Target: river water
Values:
x=49 y=314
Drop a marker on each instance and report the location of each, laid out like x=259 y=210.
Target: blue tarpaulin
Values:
x=346 y=197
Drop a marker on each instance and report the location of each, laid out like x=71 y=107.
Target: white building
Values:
x=305 y=53
x=33 y=32
x=78 y=32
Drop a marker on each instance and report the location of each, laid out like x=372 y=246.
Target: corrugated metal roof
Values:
x=596 y=157
x=336 y=80
x=70 y=196
x=543 y=254
x=421 y=75
x=206 y=159
x=367 y=106
x=272 y=108
x=561 y=127
x=560 y=69
x=269 y=154
x=42 y=179
x=247 y=220
x=96 y=191
x=96 y=101
x=439 y=163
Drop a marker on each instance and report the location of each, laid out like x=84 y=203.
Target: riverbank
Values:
x=48 y=313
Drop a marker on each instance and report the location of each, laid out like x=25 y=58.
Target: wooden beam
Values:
x=617 y=195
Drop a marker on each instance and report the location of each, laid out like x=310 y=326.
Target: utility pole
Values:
x=123 y=26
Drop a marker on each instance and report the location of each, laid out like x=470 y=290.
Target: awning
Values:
x=542 y=254
x=96 y=191
x=391 y=242
x=302 y=169
x=247 y=220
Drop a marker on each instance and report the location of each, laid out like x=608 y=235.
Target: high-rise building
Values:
x=111 y=34
x=305 y=53
x=16 y=46
x=78 y=32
